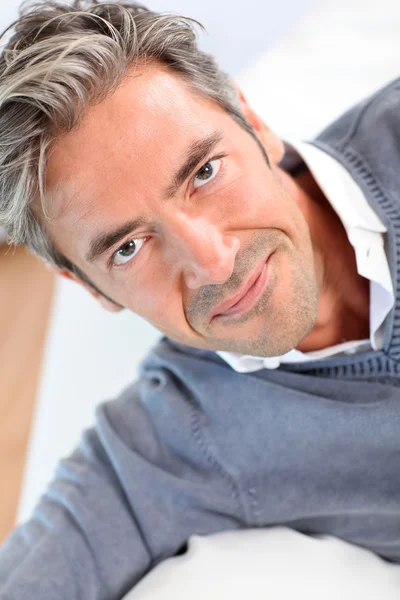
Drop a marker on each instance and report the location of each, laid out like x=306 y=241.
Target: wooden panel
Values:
x=26 y=291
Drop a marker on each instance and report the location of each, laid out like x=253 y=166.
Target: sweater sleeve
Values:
x=137 y=486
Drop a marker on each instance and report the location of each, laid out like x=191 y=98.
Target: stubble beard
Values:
x=287 y=315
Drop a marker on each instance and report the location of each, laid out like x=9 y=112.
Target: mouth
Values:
x=248 y=297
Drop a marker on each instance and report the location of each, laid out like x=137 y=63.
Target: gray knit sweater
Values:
x=194 y=447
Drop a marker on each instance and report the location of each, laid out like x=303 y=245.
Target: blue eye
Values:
x=124 y=254
x=207 y=172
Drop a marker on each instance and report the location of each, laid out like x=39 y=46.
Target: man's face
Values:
x=208 y=226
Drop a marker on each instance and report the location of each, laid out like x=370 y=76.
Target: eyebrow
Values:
x=197 y=152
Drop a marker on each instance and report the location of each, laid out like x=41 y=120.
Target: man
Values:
x=271 y=271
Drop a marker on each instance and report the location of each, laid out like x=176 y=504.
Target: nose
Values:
x=203 y=253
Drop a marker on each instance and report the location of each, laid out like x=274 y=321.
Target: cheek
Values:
x=155 y=298
x=254 y=202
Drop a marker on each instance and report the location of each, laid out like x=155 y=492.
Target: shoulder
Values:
x=373 y=117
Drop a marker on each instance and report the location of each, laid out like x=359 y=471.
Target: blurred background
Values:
x=300 y=63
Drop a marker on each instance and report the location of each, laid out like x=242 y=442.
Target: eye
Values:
x=207 y=172
x=127 y=252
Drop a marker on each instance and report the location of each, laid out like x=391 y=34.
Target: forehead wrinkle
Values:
x=88 y=202
x=60 y=198
x=93 y=204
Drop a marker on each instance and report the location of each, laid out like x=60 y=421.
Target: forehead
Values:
x=127 y=143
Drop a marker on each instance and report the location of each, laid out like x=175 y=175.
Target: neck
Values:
x=343 y=306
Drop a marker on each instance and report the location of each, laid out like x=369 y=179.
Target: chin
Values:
x=289 y=337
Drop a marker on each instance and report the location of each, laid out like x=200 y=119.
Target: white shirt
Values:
x=367 y=234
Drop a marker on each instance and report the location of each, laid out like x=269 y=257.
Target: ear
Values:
x=107 y=304
x=273 y=145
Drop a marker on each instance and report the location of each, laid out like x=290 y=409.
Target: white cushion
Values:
x=270 y=564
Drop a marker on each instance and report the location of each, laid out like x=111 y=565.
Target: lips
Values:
x=243 y=291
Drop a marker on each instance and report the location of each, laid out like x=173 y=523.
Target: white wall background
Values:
x=237 y=31
x=339 y=52
x=300 y=63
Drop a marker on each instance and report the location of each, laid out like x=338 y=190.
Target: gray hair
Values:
x=63 y=58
